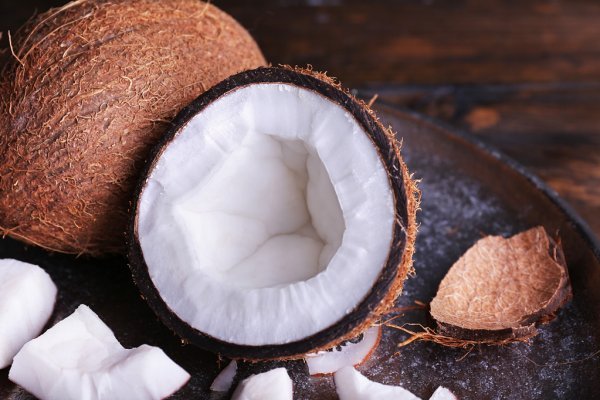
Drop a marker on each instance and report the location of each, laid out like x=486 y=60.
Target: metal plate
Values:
x=468 y=192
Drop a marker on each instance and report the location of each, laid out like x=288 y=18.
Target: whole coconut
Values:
x=88 y=89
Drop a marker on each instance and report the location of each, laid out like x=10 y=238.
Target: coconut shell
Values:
x=502 y=289
x=400 y=257
x=88 y=90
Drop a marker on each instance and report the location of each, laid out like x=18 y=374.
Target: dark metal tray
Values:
x=468 y=191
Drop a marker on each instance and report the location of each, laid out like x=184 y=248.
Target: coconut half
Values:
x=276 y=217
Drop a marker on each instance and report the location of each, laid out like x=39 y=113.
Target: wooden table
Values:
x=523 y=76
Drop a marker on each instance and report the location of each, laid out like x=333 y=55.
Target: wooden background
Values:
x=523 y=76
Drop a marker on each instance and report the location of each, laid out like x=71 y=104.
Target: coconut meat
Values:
x=352 y=385
x=224 y=380
x=442 y=393
x=348 y=354
x=80 y=358
x=268 y=217
x=275 y=384
x=27 y=297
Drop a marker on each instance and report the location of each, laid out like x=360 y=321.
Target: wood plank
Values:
x=437 y=42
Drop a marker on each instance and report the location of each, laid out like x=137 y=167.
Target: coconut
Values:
x=274 y=385
x=275 y=218
x=349 y=354
x=352 y=385
x=442 y=393
x=80 y=358
x=501 y=289
x=224 y=380
x=88 y=90
x=27 y=297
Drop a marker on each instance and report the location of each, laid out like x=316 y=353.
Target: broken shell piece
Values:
x=27 y=296
x=501 y=289
x=441 y=393
x=271 y=385
x=80 y=358
x=352 y=385
x=346 y=355
x=223 y=381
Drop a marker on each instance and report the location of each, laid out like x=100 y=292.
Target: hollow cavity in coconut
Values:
x=89 y=90
x=276 y=218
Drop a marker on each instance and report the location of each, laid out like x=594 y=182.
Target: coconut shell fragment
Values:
x=502 y=289
x=86 y=91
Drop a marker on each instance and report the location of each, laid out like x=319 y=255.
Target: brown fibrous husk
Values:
x=87 y=90
x=498 y=292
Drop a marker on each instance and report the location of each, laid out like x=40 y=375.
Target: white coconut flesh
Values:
x=352 y=385
x=268 y=217
x=349 y=354
x=442 y=393
x=224 y=380
x=27 y=297
x=275 y=384
x=80 y=358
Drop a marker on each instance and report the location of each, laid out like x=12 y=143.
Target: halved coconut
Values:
x=276 y=218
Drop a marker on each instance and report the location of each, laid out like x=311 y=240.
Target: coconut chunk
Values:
x=352 y=385
x=441 y=393
x=275 y=384
x=502 y=288
x=80 y=358
x=27 y=297
x=224 y=380
x=346 y=355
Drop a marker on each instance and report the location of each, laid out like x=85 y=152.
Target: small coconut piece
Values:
x=350 y=353
x=280 y=203
x=501 y=289
x=80 y=358
x=271 y=385
x=27 y=297
x=441 y=393
x=224 y=380
x=87 y=91
x=352 y=385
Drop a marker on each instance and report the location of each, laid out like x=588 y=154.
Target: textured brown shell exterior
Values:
x=89 y=90
x=500 y=289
